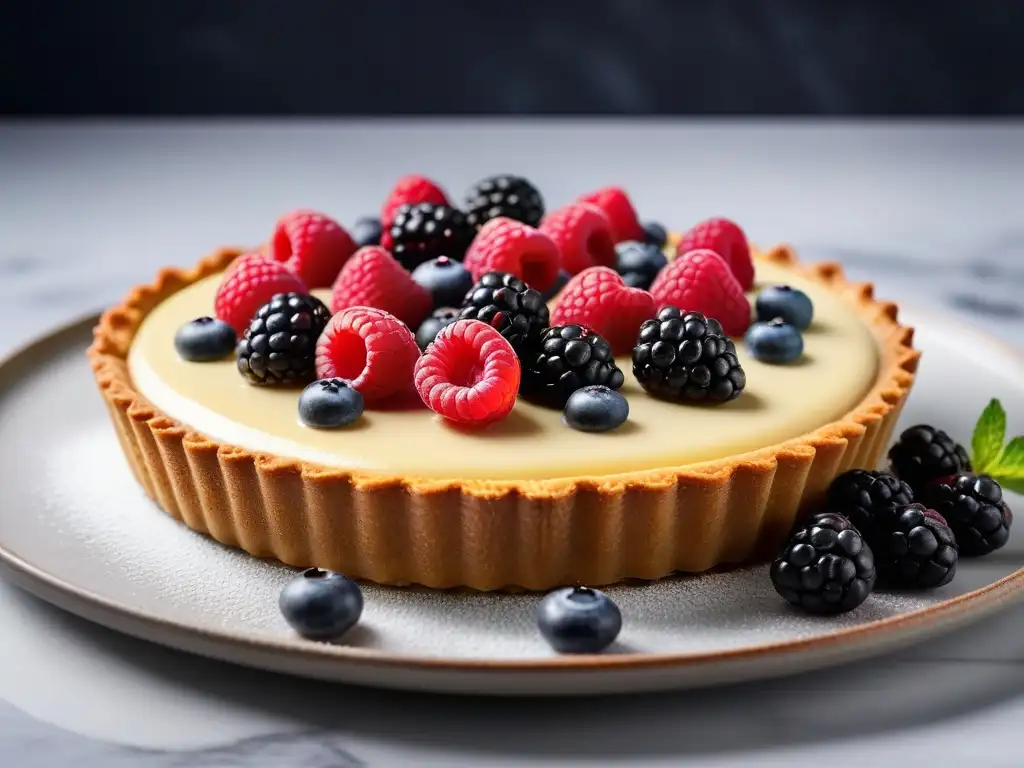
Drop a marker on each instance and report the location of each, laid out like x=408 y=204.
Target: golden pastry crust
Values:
x=496 y=534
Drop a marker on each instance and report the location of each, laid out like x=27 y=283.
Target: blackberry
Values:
x=686 y=356
x=861 y=496
x=280 y=343
x=508 y=305
x=510 y=196
x=424 y=231
x=825 y=567
x=973 y=507
x=913 y=547
x=924 y=453
x=567 y=358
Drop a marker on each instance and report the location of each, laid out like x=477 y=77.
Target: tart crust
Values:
x=490 y=535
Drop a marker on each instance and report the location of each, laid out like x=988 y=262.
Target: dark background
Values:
x=384 y=57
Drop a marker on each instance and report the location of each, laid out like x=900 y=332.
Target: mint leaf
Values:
x=989 y=434
x=1017 y=486
x=1011 y=464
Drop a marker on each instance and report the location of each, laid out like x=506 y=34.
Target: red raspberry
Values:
x=372 y=278
x=373 y=349
x=727 y=240
x=410 y=189
x=701 y=281
x=469 y=374
x=598 y=299
x=250 y=282
x=506 y=245
x=312 y=245
x=615 y=204
x=582 y=234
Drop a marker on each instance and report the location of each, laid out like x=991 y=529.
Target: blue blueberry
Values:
x=367 y=231
x=205 y=339
x=792 y=305
x=775 y=342
x=330 y=403
x=596 y=409
x=563 y=278
x=321 y=605
x=446 y=279
x=432 y=326
x=639 y=263
x=655 y=234
x=578 y=620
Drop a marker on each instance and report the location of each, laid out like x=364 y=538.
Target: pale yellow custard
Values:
x=780 y=402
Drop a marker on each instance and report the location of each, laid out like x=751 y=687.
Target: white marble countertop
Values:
x=930 y=213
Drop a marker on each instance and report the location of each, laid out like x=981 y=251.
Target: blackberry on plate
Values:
x=913 y=547
x=825 y=567
x=567 y=358
x=424 y=231
x=279 y=345
x=638 y=263
x=504 y=195
x=973 y=507
x=508 y=305
x=924 y=453
x=432 y=326
x=685 y=356
x=861 y=496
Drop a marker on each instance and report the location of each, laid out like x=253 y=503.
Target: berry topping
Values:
x=615 y=204
x=598 y=299
x=578 y=620
x=583 y=236
x=511 y=197
x=655 y=234
x=372 y=278
x=861 y=496
x=469 y=375
x=205 y=339
x=973 y=507
x=373 y=350
x=447 y=280
x=727 y=240
x=924 y=453
x=249 y=283
x=913 y=547
x=684 y=357
x=566 y=358
x=596 y=409
x=506 y=245
x=329 y=404
x=425 y=231
x=826 y=567
x=560 y=283
x=312 y=246
x=367 y=231
x=782 y=301
x=775 y=342
x=321 y=605
x=639 y=263
x=432 y=326
x=700 y=281
x=410 y=190
x=279 y=343
x=508 y=305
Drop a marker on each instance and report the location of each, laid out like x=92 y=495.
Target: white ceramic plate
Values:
x=76 y=530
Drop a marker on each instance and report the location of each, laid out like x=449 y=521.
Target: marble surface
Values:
x=930 y=213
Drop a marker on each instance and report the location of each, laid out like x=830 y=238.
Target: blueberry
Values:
x=596 y=409
x=432 y=326
x=321 y=605
x=639 y=263
x=366 y=231
x=330 y=403
x=560 y=281
x=775 y=342
x=792 y=305
x=446 y=279
x=205 y=339
x=578 y=620
x=655 y=234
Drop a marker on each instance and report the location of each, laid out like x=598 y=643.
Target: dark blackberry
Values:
x=279 y=345
x=973 y=507
x=510 y=196
x=913 y=547
x=924 y=453
x=508 y=305
x=567 y=358
x=424 y=231
x=861 y=496
x=687 y=357
x=825 y=567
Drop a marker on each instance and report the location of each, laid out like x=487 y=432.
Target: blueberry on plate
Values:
x=321 y=605
x=775 y=342
x=596 y=408
x=578 y=620
x=655 y=234
x=205 y=339
x=792 y=305
x=329 y=404
x=446 y=279
x=432 y=326
x=367 y=231
x=638 y=263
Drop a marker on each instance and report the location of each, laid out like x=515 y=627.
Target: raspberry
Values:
x=506 y=245
x=410 y=190
x=615 y=204
x=583 y=236
x=727 y=240
x=250 y=282
x=469 y=375
x=312 y=246
x=701 y=281
x=598 y=299
x=372 y=278
x=374 y=350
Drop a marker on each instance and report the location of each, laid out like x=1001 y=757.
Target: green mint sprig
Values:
x=992 y=455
